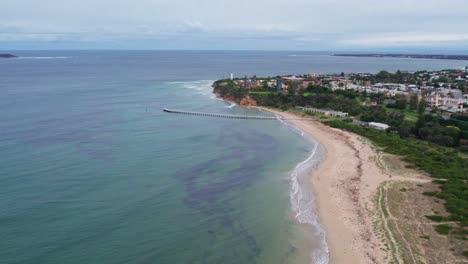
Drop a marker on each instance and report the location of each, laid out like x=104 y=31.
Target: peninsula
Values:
x=407 y=56
x=7 y=56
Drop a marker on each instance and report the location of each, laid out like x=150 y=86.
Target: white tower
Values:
x=232 y=76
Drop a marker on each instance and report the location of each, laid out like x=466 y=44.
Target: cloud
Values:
x=314 y=24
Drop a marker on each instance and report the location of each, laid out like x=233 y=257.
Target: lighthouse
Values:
x=232 y=76
x=278 y=85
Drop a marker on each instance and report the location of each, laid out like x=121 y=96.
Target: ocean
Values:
x=93 y=171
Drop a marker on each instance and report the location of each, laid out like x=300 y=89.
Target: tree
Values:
x=413 y=103
x=313 y=88
x=453 y=132
x=422 y=105
x=382 y=76
x=401 y=103
x=462 y=86
x=374 y=114
x=398 y=77
x=443 y=79
x=404 y=129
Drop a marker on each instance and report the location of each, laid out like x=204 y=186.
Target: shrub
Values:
x=443 y=229
x=435 y=218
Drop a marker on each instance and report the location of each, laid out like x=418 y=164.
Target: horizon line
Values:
x=370 y=51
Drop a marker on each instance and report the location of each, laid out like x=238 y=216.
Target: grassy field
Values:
x=260 y=92
x=409 y=115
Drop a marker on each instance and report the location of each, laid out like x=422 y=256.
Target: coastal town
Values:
x=426 y=104
x=445 y=90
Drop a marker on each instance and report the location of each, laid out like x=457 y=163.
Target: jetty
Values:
x=229 y=116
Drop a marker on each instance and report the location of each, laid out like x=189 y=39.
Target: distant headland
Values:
x=7 y=56
x=411 y=56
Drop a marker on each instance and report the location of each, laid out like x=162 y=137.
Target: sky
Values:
x=316 y=25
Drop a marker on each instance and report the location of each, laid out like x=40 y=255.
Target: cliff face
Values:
x=232 y=94
x=247 y=101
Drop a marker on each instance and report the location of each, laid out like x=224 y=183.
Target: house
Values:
x=449 y=98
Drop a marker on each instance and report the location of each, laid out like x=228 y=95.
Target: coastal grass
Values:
x=442 y=163
x=417 y=237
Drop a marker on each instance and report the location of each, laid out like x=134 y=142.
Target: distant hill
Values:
x=7 y=56
x=413 y=56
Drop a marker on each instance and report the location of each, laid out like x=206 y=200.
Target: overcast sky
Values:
x=237 y=24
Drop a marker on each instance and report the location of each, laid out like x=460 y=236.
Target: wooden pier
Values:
x=228 y=116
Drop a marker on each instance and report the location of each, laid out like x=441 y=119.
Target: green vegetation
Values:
x=454 y=192
x=443 y=229
x=435 y=218
x=388 y=77
x=405 y=116
x=440 y=162
x=409 y=115
x=260 y=92
x=427 y=141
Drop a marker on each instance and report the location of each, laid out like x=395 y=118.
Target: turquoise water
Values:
x=92 y=171
x=104 y=176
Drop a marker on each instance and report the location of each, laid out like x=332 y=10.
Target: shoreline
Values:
x=345 y=184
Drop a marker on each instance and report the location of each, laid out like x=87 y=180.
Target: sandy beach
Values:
x=345 y=185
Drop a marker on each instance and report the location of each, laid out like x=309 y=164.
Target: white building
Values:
x=379 y=126
x=449 y=98
x=324 y=112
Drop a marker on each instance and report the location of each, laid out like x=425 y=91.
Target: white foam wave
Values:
x=231 y=105
x=202 y=87
x=300 y=55
x=213 y=96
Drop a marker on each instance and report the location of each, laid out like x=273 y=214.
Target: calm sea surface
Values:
x=92 y=171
